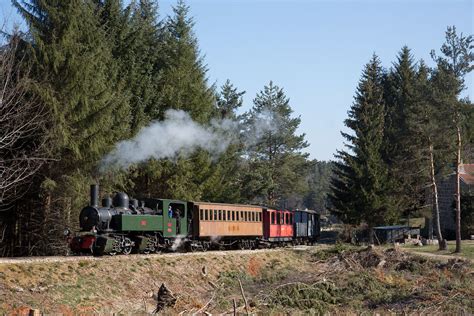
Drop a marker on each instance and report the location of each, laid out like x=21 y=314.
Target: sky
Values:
x=315 y=50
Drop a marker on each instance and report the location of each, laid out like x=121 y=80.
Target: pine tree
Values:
x=183 y=84
x=399 y=96
x=143 y=62
x=452 y=67
x=228 y=101
x=276 y=165
x=360 y=188
x=224 y=182
x=135 y=36
x=76 y=78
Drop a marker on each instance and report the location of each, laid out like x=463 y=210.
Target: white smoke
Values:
x=178 y=135
x=216 y=239
x=178 y=242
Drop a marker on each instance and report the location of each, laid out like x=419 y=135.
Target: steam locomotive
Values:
x=122 y=225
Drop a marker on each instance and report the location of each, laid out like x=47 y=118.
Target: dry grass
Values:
x=339 y=279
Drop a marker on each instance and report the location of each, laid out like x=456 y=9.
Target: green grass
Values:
x=467 y=248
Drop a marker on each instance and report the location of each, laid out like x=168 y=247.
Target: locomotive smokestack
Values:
x=94 y=195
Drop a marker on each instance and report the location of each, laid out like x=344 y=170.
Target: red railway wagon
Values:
x=277 y=225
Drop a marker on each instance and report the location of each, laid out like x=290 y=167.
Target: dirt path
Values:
x=434 y=256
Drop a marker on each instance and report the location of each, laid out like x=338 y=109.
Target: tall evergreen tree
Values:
x=224 y=183
x=455 y=63
x=277 y=166
x=134 y=33
x=76 y=78
x=360 y=189
x=181 y=85
x=399 y=96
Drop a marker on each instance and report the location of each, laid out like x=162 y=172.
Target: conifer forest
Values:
x=102 y=91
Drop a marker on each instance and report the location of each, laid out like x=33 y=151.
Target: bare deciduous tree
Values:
x=22 y=126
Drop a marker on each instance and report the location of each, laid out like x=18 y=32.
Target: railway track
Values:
x=49 y=259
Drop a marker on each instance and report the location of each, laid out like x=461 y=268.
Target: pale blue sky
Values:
x=314 y=49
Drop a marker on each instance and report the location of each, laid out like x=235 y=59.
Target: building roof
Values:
x=466 y=173
x=394 y=227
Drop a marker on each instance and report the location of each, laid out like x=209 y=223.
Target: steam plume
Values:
x=178 y=134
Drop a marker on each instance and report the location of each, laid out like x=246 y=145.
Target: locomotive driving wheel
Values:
x=126 y=246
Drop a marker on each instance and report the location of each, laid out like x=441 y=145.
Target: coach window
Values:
x=224 y=217
x=206 y=216
x=201 y=214
x=215 y=214
x=228 y=215
x=273 y=217
x=237 y=215
x=278 y=218
x=220 y=215
x=253 y=216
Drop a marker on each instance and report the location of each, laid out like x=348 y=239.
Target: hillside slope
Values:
x=309 y=279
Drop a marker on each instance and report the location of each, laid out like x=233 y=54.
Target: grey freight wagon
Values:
x=306 y=226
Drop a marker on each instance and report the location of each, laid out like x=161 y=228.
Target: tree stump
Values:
x=164 y=298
